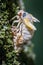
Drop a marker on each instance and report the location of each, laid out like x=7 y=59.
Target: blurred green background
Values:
x=35 y=7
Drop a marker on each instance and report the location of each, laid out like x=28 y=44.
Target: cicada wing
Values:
x=29 y=24
x=35 y=19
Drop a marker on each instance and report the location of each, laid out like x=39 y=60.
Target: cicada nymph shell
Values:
x=17 y=37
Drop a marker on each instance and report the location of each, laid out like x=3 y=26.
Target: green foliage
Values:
x=8 y=9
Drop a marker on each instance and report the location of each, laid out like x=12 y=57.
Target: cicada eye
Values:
x=24 y=14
